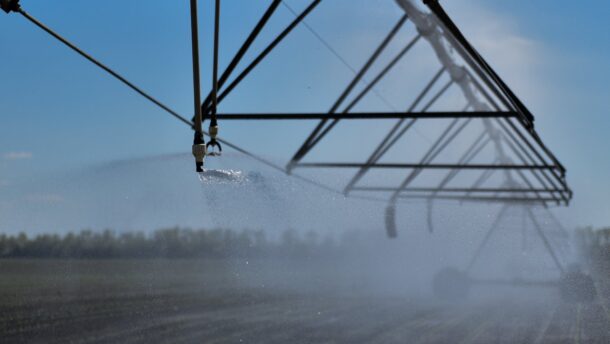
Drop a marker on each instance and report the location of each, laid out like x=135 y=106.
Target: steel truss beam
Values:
x=514 y=120
x=423 y=166
x=364 y=115
x=535 y=160
x=261 y=56
x=495 y=225
x=318 y=133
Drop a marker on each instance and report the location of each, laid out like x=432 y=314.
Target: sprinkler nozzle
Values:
x=199 y=151
x=213 y=143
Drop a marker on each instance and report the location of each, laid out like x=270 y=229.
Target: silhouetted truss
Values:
x=533 y=172
x=530 y=172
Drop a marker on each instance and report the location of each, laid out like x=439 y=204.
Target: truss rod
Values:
x=266 y=51
x=527 y=154
x=384 y=146
x=309 y=142
x=436 y=8
x=478 y=145
x=545 y=240
x=432 y=153
x=362 y=115
x=452 y=190
x=426 y=166
x=213 y=128
x=334 y=52
x=536 y=174
x=174 y=113
x=562 y=170
x=196 y=81
x=510 y=134
x=242 y=50
x=453 y=30
x=103 y=66
x=483 y=243
x=481 y=199
x=198 y=141
x=382 y=74
x=484 y=176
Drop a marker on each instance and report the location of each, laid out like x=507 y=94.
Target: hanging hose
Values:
x=390 y=220
x=213 y=129
x=429 y=220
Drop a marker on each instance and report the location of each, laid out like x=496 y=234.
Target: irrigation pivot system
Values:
x=502 y=159
x=520 y=170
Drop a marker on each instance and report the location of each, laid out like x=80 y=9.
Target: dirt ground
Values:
x=152 y=301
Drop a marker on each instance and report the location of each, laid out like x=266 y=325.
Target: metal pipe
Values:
x=477 y=199
x=424 y=165
x=491 y=230
x=242 y=51
x=545 y=241
x=381 y=74
x=260 y=57
x=362 y=115
x=384 y=146
x=198 y=142
x=213 y=128
x=452 y=190
x=313 y=136
x=104 y=67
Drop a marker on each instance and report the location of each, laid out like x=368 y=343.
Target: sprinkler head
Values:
x=9 y=6
x=213 y=147
x=199 y=151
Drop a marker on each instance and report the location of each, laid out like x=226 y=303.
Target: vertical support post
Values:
x=548 y=246
x=260 y=57
x=198 y=142
x=213 y=128
x=213 y=120
x=215 y=67
x=491 y=230
x=242 y=51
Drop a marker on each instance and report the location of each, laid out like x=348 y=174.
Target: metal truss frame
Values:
x=538 y=229
x=537 y=177
x=508 y=122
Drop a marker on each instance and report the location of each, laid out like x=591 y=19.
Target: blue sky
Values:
x=61 y=113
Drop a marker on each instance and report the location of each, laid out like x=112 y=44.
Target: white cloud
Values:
x=17 y=155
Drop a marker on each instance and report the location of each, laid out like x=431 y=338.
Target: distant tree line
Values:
x=166 y=243
x=594 y=243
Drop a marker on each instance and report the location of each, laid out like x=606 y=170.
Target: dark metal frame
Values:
x=528 y=213
x=541 y=175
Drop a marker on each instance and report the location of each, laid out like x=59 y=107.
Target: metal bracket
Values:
x=9 y=6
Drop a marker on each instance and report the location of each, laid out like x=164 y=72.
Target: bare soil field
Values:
x=194 y=301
